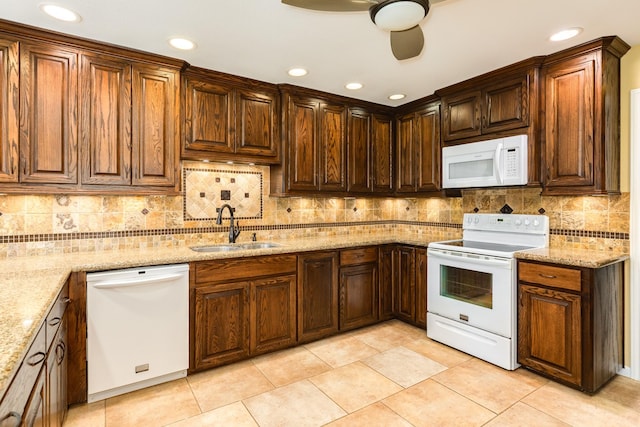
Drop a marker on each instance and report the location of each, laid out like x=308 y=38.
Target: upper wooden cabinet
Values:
x=370 y=152
x=491 y=103
x=229 y=118
x=93 y=118
x=9 y=110
x=48 y=114
x=581 y=125
x=418 y=149
x=128 y=121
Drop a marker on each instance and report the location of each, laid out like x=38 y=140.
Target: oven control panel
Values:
x=530 y=224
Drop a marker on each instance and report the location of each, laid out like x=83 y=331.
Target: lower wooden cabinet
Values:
x=37 y=395
x=403 y=284
x=358 y=288
x=317 y=295
x=241 y=307
x=570 y=322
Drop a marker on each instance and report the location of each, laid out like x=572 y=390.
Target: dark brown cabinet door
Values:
x=506 y=105
x=256 y=130
x=406 y=154
x=105 y=120
x=381 y=162
x=569 y=122
x=428 y=148
x=317 y=295
x=404 y=305
x=155 y=124
x=359 y=124
x=421 y=287
x=9 y=109
x=358 y=296
x=462 y=115
x=385 y=281
x=333 y=147
x=49 y=111
x=273 y=313
x=302 y=155
x=208 y=117
x=549 y=333
x=56 y=406
x=221 y=324
x=35 y=414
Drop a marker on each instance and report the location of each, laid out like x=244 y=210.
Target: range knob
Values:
x=518 y=222
x=476 y=219
x=536 y=223
x=527 y=222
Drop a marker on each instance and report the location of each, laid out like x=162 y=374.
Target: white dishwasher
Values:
x=137 y=328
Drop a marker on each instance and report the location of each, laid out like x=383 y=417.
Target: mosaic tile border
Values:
x=27 y=238
x=185 y=215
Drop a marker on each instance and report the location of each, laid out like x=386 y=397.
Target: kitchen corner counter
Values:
x=29 y=285
x=573 y=257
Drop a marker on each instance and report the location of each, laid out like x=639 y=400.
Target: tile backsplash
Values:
x=35 y=224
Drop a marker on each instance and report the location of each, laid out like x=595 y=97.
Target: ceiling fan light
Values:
x=399 y=15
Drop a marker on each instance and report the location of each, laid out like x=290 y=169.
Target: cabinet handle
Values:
x=547 y=276
x=13 y=414
x=60 y=352
x=54 y=321
x=36 y=359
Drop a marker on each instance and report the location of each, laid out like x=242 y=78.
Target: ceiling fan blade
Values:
x=333 y=5
x=408 y=43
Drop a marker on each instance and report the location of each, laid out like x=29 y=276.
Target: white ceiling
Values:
x=262 y=39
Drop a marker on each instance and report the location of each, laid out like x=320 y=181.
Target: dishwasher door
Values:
x=137 y=328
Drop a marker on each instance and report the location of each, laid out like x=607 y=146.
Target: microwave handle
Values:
x=496 y=164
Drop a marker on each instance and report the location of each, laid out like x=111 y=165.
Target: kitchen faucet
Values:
x=234 y=230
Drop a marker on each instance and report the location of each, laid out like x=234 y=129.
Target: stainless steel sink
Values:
x=215 y=248
x=235 y=247
x=259 y=245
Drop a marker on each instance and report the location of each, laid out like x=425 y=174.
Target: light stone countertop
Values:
x=29 y=285
x=573 y=257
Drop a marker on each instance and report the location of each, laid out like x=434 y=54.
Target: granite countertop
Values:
x=573 y=257
x=30 y=285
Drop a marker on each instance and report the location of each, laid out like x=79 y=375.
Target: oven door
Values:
x=473 y=289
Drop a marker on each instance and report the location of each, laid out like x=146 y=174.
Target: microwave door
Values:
x=476 y=169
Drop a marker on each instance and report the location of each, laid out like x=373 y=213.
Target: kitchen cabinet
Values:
x=37 y=395
x=314 y=154
x=418 y=149
x=358 y=288
x=491 y=103
x=9 y=110
x=93 y=118
x=241 y=307
x=370 y=152
x=229 y=118
x=48 y=113
x=128 y=124
x=581 y=125
x=317 y=295
x=570 y=322
x=403 y=283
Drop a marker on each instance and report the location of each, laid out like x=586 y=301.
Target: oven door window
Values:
x=470 y=286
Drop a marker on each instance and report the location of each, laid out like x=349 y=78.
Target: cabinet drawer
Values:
x=54 y=319
x=18 y=393
x=241 y=268
x=548 y=275
x=358 y=256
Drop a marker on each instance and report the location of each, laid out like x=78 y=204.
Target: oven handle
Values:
x=498 y=262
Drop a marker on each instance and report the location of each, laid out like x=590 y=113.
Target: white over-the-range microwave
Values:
x=493 y=163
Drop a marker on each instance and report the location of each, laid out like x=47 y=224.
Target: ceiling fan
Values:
x=400 y=17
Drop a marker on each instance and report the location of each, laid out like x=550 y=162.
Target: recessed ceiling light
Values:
x=353 y=86
x=397 y=96
x=565 y=34
x=297 y=72
x=60 y=13
x=182 y=44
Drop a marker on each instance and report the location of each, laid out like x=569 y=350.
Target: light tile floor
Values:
x=389 y=374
